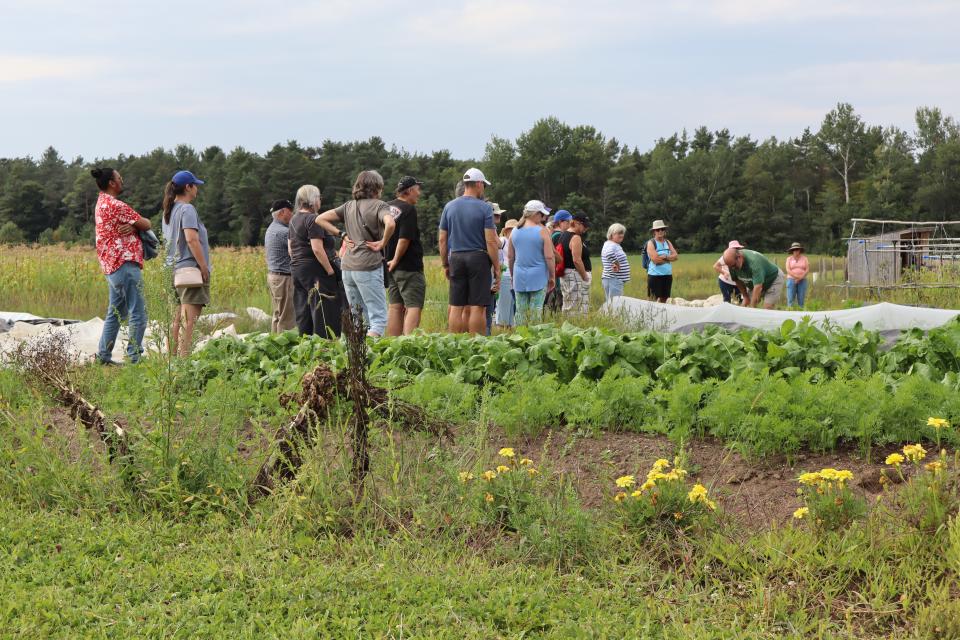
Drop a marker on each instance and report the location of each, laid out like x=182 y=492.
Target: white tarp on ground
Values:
x=883 y=316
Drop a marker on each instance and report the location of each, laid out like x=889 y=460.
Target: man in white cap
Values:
x=469 y=248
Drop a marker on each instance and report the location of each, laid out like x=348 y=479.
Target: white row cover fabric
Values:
x=883 y=316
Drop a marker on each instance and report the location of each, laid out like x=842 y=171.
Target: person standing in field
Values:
x=120 y=253
x=727 y=285
x=317 y=291
x=279 y=277
x=530 y=254
x=577 y=276
x=764 y=277
x=469 y=249
x=797 y=269
x=187 y=246
x=662 y=255
x=369 y=224
x=507 y=304
x=495 y=297
x=561 y=222
x=616 y=267
x=406 y=283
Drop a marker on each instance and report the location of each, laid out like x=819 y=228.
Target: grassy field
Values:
x=64 y=282
x=531 y=522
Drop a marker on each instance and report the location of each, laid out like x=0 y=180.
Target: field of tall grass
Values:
x=63 y=282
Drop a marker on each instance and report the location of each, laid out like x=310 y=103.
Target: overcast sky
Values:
x=100 y=78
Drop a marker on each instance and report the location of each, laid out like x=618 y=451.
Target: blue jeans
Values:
x=612 y=287
x=126 y=303
x=365 y=289
x=796 y=290
x=530 y=306
x=506 y=303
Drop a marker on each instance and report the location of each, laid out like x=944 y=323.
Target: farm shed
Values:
x=881 y=258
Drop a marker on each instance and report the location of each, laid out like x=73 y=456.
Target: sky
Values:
x=96 y=79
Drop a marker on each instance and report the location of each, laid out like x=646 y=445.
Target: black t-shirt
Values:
x=303 y=228
x=405 y=215
x=565 y=237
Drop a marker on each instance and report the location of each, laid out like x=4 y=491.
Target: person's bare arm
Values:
x=327 y=219
x=757 y=295
x=388 y=226
x=192 y=237
x=317 y=245
x=653 y=255
x=744 y=296
x=402 y=245
x=511 y=258
x=674 y=256
x=718 y=267
x=576 y=252
x=548 y=252
x=444 y=256
x=493 y=252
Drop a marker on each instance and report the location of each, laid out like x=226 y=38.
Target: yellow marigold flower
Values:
x=935 y=467
x=809 y=479
x=661 y=464
x=698 y=493
x=503 y=468
x=711 y=505
x=649 y=484
x=914 y=452
x=833 y=475
x=619 y=497
x=489 y=475
x=488 y=497
x=526 y=462
x=532 y=472
x=801 y=513
x=465 y=476
x=625 y=482
x=937 y=423
x=637 y=493
x=506 y=452
x=678 y=516
x=656 y=475
x=894 y=460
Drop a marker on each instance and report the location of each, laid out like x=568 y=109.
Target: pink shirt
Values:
x=797 y=268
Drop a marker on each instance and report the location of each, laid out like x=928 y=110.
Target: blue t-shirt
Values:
x=529 y=265
x=184 y=216
x=465 y=220
x=663 y=250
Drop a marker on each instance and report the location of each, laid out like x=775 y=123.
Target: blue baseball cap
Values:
x=183 y=178
x=562 y=215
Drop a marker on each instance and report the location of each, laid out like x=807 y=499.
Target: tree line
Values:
x=710 y=186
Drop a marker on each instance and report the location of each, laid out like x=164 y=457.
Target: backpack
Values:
x=560 y=267
x=646 y=256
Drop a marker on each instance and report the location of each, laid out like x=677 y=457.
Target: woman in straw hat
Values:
x=797 y=269
x=662 y=255
x=506 y=303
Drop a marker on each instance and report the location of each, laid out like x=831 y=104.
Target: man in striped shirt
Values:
x=279 y=277
x=616 y=267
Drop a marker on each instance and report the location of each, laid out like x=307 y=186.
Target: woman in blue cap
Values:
x=188 y=254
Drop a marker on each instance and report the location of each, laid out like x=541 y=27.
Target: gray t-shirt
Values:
x=372 y=212
x=184 y=216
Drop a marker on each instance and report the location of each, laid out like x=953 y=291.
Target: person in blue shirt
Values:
x=469 y=248
x=662 y=255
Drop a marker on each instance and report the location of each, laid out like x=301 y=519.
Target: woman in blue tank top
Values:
x=662 y=255
x=531 y=263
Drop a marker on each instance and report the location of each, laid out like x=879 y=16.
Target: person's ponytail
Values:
x=169 y=195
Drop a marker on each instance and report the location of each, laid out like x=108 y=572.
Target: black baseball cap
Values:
x=406 y=182
x=280 y=204
x=582 y=219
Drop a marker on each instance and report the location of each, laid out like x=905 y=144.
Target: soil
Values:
x=756 y=492
x=61 y=427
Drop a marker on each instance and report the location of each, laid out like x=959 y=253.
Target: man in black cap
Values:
x=279 y=278
x=406 y=284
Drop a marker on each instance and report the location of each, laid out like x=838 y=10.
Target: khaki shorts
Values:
x=199 y=296
x=774 y=293
x=408 y=288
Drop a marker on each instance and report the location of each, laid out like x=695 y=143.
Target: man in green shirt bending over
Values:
x=753 y=269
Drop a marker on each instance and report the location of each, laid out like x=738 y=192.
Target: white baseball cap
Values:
x=475 y=175
x=536 y=205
